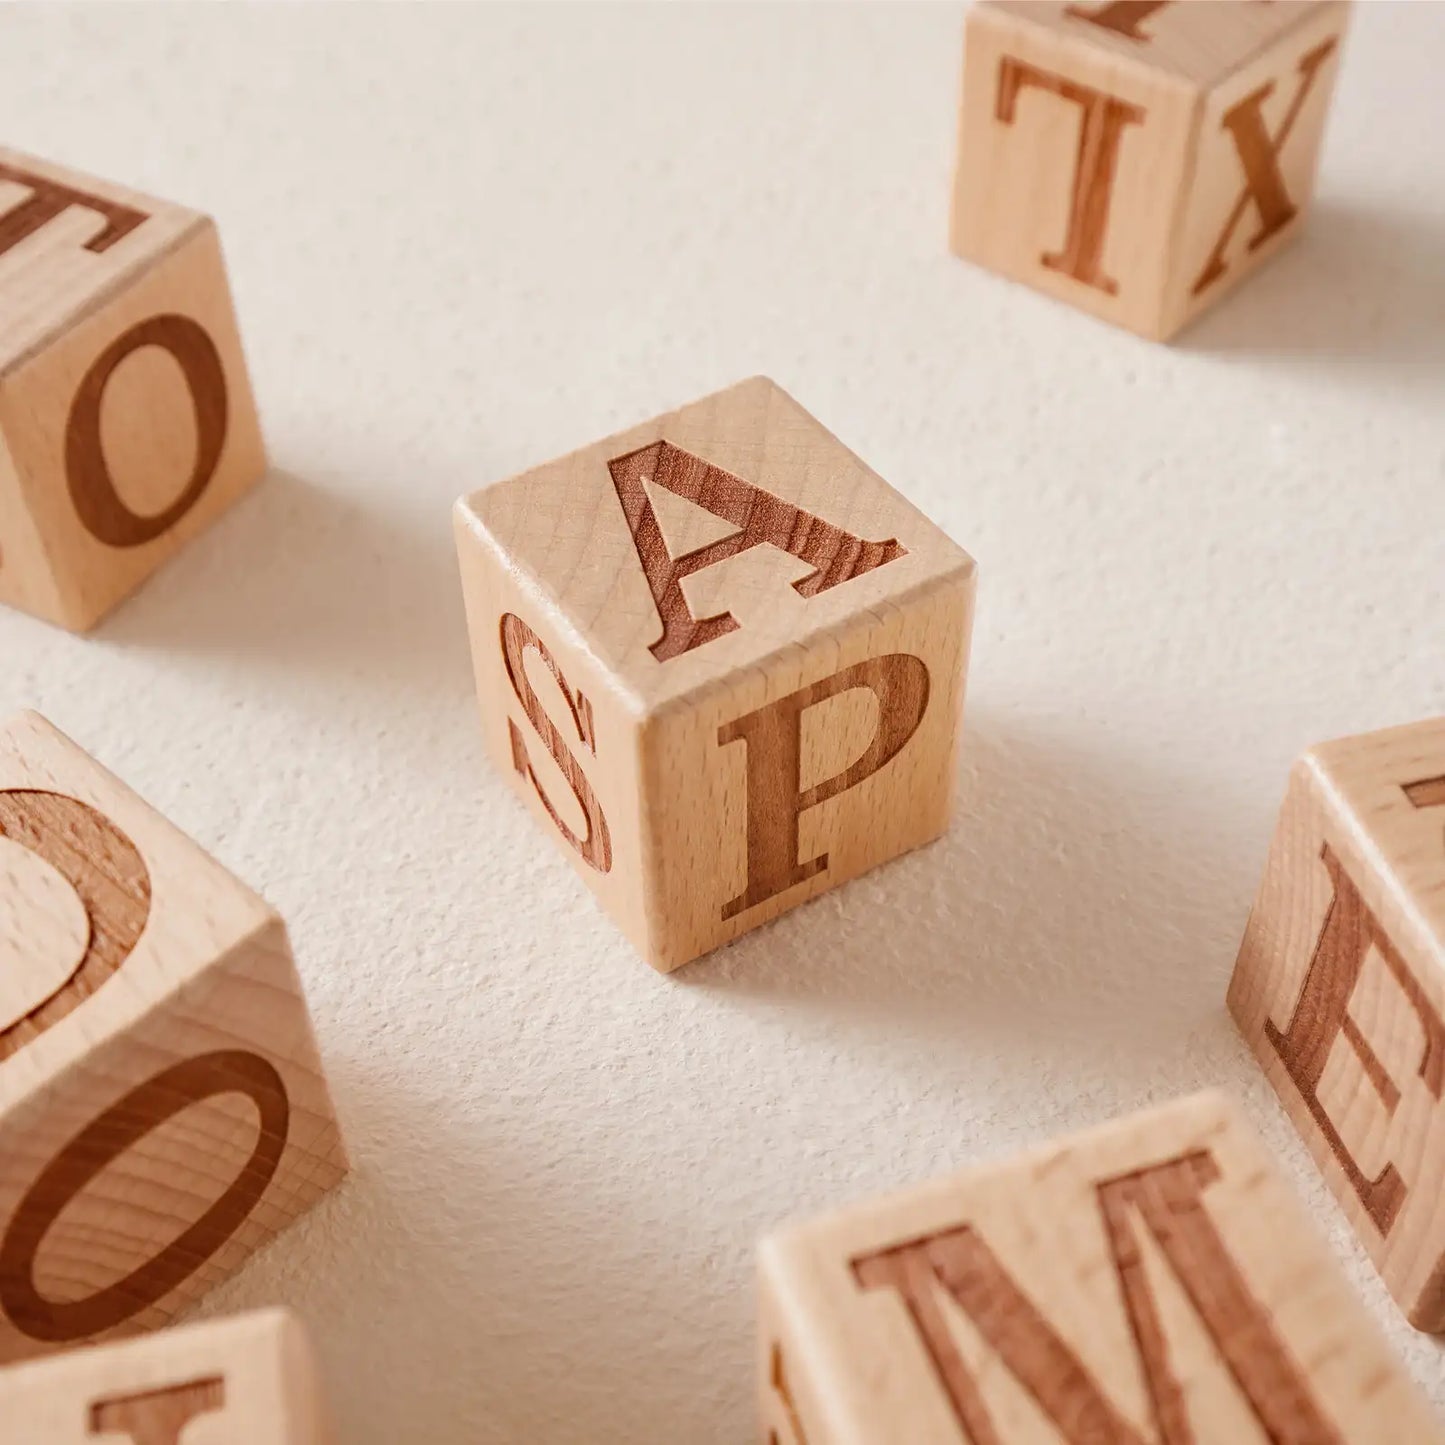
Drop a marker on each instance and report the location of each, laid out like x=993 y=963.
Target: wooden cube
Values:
x=248 y=1380
x=1339 y=989
x=1140 y=159
x=1152 y=1282
x=126 y=417
x=162 y=1106
x=721 y=659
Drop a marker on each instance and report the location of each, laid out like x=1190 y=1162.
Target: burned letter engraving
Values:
x=836 y=556
x=49 y=199
x=1102 y=120
x=596 y=848
x=1123 y=17
x=158 y=1417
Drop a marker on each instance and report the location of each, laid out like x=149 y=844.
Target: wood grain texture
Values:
x=251 y=1379
x=723 y=661
x=1139 y=160
x=163 y=1110
x=126 y=412
x=1151 y=1282
x=1339 y=989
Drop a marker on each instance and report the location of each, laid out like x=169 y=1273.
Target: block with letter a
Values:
x=1140 y=159
x=127 y=422
x=250 y=1379
x=1339 y=989
x=721 y=660
x=1152 y=1282
x=162 y=1107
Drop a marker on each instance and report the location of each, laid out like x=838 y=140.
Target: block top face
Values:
x=1391 y=784
x=1199 y=41
x=709 y=539
x=67 y=242
x=105 y=908
x=1150 y=1280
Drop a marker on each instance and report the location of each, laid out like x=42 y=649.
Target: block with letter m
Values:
x=1150 y=1282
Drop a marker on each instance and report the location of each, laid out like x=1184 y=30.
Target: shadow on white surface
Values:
x=309 y=586
x=1362 y=289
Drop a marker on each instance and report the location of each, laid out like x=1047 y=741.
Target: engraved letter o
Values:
x=105 y=1139
x=92 y=488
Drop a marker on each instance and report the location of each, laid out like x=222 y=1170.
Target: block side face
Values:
x=696 y=545
x=1260 y=135
x=136 y=428
x=130 y=908
x=836 y=755
x=27 y=576
x=68 y=241
x=1199 y=41
x=555 y=725
x=229 y=1373
x=1070 y=168
x=1343 y=1003
x=1103 y=1279
x=163 y=1156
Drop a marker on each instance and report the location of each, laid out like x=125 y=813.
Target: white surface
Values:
x=465 y=241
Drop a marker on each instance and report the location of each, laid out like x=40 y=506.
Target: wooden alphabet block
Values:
x=1339 y=989
x=162 y=1106
x=1140 y=159
x=721 y=659
x=248 y=1380
x=126 y=417
x=1152 y=1282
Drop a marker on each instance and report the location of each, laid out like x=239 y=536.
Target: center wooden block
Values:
x=248 y=1380
x=722 y=660
x=1152 y=1282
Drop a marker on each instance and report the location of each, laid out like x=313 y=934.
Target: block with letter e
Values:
x=721 y=659
x=1339 y=989
x=163 y=1111
x=127 y=422
x=1139 y=158
x=1150 y=1282
x=250 y=1379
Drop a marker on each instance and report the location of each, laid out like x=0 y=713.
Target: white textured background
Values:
x=463 y=241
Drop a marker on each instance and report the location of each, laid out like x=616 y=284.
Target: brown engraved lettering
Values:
x=109 y=877
x=774 y=739
x=835 y=555
x=104 y=1140
x=1123 y=17
x=1321 y=1015
x=596 y=847
x=1102 y=121
x=48 y=199
x=158 y=1417
x=1259 y=157
x=1168 y=1199
x=778 y=1379
x=92 y=489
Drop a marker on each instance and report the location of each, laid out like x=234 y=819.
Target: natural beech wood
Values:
x=162 y=1106
x=1339 y=989
x=1139 y=160
x=127 y=422
x=1152 y=1282
x=247 y=1380
x=721 y=659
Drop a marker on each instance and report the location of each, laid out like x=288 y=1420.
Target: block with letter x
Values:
x=163 y=1111
x=1150 y=1282
x=721 y=659
x=127 y=422
x=1339 y=989
x=1139 y=158
x=251 y=1379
